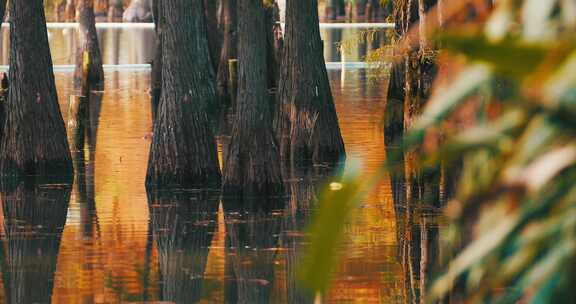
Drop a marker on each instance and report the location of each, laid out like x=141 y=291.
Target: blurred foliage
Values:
x=513 y=217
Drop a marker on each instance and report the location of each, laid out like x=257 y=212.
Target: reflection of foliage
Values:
x=515 y=208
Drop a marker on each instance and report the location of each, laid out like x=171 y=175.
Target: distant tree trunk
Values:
x=214 y=34
x=307 y=121
x=70 y=11
x=253 y=162
x=229 y=51
x=274 y=44
x=183 y=150
x=101 y=8
x=88 y=42
x=115 y=10
x=34 y=141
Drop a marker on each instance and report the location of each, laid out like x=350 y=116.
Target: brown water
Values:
x=117 y=244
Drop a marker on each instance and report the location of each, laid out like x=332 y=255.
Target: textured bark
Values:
x=34 y=219
x=214 y=34
x=307 y=121
x=88 y=42
x=183 y=225
x=34 y=141
x=183 y=150
x=252 y=165
x=229 y=51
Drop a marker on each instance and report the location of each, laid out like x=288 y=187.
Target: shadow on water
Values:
x=183 y=224
x=34 y=219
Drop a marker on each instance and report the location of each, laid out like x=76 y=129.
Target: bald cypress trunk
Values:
x=229 y=51
x=34 y=141
x=88 y=42
x=308 y=123
x=253 y=161
x=214 y=34
x=183 y=151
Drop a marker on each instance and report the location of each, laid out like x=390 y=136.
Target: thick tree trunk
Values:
x=229 y=51
x=253 y=161
x=88 y=43
x=183 y=151
x=307 y=121
x=34 y=141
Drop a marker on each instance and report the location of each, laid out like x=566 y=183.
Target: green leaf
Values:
x=327 y=229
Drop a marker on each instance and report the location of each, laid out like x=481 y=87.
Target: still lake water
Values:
x=108 y=241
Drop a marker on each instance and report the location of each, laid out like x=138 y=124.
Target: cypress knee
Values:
x=307 y=122
x=34 y=141
x=253 y=160
x=183 y=151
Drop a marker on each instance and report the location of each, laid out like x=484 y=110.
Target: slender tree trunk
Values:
x=101 y=8
x=253 y=161
x=229 y=51
x=183 y=151
x=307 y=122
x=34 y=141
x=115 y=10
x=88 y=42
x=274 y=44
x=156 y=75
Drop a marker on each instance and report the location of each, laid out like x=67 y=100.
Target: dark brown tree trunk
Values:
x=2 y=10
x=307 y=121
x=34 y=141
x=88 y=43
x=183 y=150
x=253 y=161
x=274 y=44
x=156 y=74
x=229 y=51
x=214 y=34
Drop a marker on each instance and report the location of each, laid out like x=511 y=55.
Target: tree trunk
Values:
x=2 y=10
x=253 y=162
x=101 y=8
x=183 y=150
x=156 y=74
x=214 y=34
x=274 y=44
x=34 y=141
x=88 y=42
x=307 y=121
x=115 y=10
x=229 y=51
